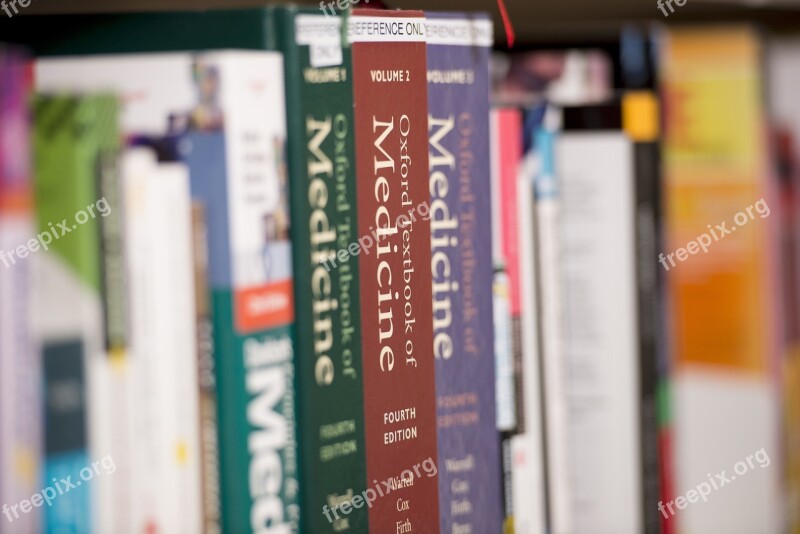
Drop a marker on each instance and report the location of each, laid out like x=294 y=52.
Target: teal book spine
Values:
x=327 y=311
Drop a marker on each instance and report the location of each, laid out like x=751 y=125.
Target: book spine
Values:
x=146 y=468
x=715 y=170
x=556 y=412
x=324 y=220
x=177 y=369
x=251 y=278
x=109 y=221
x=503 y=339
x=460 y=189
x=20 y=361
x=530 y=480
x=640 y=119
x=506 y=377
x=66 y=436
x=602 y=350
x=20 y=379
x=206 y=378
x=390 y=99
x=109 y=374
x=509 y=154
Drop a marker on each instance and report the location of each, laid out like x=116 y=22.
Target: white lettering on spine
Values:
x=443 y=237
x=264 y=443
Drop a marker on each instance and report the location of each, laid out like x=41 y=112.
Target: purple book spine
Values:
x=459 y=183
x=14 y=149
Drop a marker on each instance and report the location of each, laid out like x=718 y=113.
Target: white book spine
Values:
x=177 y=374
x=529 y=483
x=20 y=382
x=147 y=469
x=595 y=172
x=556 y=412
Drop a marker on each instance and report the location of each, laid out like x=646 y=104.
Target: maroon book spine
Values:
x=391 y=128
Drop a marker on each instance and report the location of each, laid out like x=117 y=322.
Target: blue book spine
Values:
x=460 y=210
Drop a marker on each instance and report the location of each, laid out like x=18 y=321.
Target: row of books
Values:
x=290 y=276
x=218 y=332
x=662 y=281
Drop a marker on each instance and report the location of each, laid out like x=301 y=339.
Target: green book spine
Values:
x=323 y=207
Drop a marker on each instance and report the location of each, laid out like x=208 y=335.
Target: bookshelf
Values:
x=538 y=25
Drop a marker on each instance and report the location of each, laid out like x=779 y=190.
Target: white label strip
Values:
x=324 y=37
x=386 y=29
x=317 y=29
x=459 y=32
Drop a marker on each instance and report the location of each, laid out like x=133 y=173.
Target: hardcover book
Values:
x=321 y=152
x=390 y=100
x=460 y=187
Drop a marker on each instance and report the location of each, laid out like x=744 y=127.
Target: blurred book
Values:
x=21 y=422
x=722 y=297
x=783 y=70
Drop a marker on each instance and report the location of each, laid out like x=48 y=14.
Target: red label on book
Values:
x=390 y=94
x=262 y=307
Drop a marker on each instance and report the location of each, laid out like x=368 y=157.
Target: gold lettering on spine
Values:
x=323 y=246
